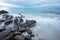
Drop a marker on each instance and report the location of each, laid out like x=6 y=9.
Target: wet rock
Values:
x=9 y=36
x=2 y=29
x=28 y=37
x=4 y=34
x=40 y=39
x=32 y=35
x=1 y=20
x=29 y=31
x=7 y=17
x=11 y=17
x=24 y=25
x=16 y=21
x=25 y=34
x=3 y=12
x=19 y=37
x=21 y=20
x=22 y=30
x=30 y=23
x=17 y=33
x=8 y=22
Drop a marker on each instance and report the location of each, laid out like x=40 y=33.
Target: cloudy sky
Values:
x=29 y=3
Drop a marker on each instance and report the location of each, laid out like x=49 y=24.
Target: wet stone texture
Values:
x=17 y=29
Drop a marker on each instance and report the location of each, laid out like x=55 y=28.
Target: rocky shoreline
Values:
x=19 y=31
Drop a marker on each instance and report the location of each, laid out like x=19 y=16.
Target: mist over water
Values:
x=48 y=21
x=45 y=12
x=47 y=27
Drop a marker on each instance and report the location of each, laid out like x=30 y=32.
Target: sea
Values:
x=47 y=18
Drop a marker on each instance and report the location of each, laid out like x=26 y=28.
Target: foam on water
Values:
x=47 y=28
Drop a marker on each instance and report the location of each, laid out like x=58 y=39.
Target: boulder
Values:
x=2 y=29
x=11 y=17
x=29 y=31
x=3 y=12
x=10 y=36
x=8 y=22
x=16 y=21
x=24 y=25
x=22 y=30
x=4 y=33
x=32 y=35
x=1 y=20
x=7 y=17
x=19 y=37
x=30 y=23
x=28 y=37
x=21 y=20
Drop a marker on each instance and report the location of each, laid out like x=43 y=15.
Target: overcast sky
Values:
x=29 y=3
